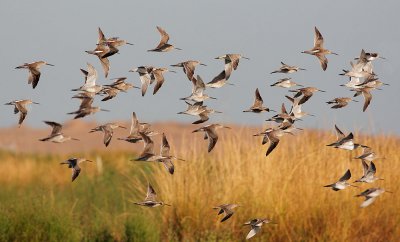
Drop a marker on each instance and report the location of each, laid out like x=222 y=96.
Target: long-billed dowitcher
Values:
x=163 y=46
x=227 y=210
x=231 y=63
x=166 y=156
x=73 y=163
x=287 y=69
x=318 y=50
x=145 y=75
x=102 y=51
x=340 y=102
x=368 y=173
x=219 y=81
x=272 y=136
x=368 y=154
x=210 y=133
x=307 y=93
x=108 y=130
x=86 y=107
x=370 y=195
x=120 y=84
x=20 y=107
x=189 y=67
x=285 y=83
x=342 y=182
x=34 y=71
x=159 y=77
x=296 y=111
x=90 y=81
x=56 y=135
x=344 y=142
x=198 y=91
x=137 y=128
x=284 y=116
x=257 y=106
x=255 y=225
x=150 y=199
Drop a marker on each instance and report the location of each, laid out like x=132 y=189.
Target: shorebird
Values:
x=284 y=116
x=73 y=163
x=204 y=115
x=357 y=70
x=288 y=69
x=121 y=85
x=20 y=107
x=344 y=142
x=342 y=182
x=368 y=154
x=163 y=46
x=227 y=210
x=210 y=133
x=296 y=111
x=370 y=56
x=34 y=71
x=167 y=158
x=159 y=77
x=366 y=92
x=318 y=50
x=307 y=92
x=90 y=81
x=255 y=225
x=231 y=63
x=110 y=92
x=371 y=82
x=150 y=200
x=194 y=109
x=272 y=135
x=285 y=83
x=198 y=91
x=370 y=195
x=368 y=173
x=108 y=130
x=189 y=67
x=257 y=106
x=148 y=150
x=86 y=107
x=352 y=83
x=219 y=81
x=102 y=51
x=340 y=102
x=146 y=76
x=56 y=135
x=136 y=128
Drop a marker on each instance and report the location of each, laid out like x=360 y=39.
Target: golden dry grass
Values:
x=287 y=187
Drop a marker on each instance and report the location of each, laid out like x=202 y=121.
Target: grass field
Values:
x=38 y=202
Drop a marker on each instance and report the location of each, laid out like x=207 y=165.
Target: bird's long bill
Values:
x=166 y=204
x=353 y=185
x=49 y=64
x=203 y=64
x=105 y=110
x=321 y=91
x=133 y=70
x=35 y=103
x=122 y=127
x=90 y=161
x=213 y=98
x=177 y=48
x=75 y=139
x=389 y=191
x=129 y=43
x=217 y=112
x=173 y=71
x=227 y=127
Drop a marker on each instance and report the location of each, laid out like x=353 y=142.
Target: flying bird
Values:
x=108 y=130
x=340 y=102
x=257 y=106
x=227 y=210
x=20 y=107
x=307 y=93
x=73 y=163
x=255 y=225
x=150 y=200
x=368 y=173
x=288 y=69
x=34 y=71
x=137 y=128
x=86 y=107
x=343 y=141
x=285 y=83
x=163 y=46
x=318 y=50
x=342 y=182
x=370 y=195
x=189 y=67
x=56 y=136
x=210 y=133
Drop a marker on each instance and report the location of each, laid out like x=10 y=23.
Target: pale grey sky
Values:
x=265 y=31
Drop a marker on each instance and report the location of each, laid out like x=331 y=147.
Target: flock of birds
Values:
x=362 y=80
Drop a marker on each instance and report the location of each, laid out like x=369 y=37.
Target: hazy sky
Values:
x=265 y=31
